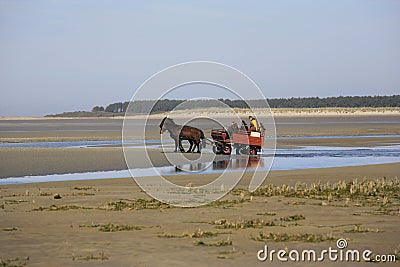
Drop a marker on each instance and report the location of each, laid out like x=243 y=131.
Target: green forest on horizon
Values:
x=165 y=105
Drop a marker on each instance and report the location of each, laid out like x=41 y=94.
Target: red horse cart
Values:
x=244 y=142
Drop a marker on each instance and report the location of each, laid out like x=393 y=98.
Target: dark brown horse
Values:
x=183 y=132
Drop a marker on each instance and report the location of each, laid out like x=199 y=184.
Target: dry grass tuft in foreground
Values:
x=136 y=204
x=284 y=237
x=292 y=218
x=102 y=256
x=16 y=262
x=196 y=234
x=376 y=192
x=110 y=227
x=220 y=243
x=242 y=224
x=358 y=229
x=340 y=190
x=61 y=208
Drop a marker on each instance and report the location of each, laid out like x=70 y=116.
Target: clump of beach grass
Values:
x=101 y=256
x=241 y=224
x=14 y=201
x=219 y=243
x=292 y=218
x=284 y=237
x=135 y=204
x=196 y=234
x=110 y=227
x=266 y=213
x=371 y=192
x=228 y=203
x=61 y=208
x=16 y=262
x=85 y=188
x=375 y=192
x=358 y=229
x=10 y=229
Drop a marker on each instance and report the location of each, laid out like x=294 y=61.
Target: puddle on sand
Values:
x=78 y=144
x=136 y=143
x=285 y=159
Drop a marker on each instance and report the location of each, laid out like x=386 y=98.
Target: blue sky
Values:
x=60 y=55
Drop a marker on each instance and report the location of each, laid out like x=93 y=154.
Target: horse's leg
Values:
x=176 y=145
x=194 y=145
x=175 y=141
x=198 y=146
x=180 y=146
x=198 y=142
x=190 y=147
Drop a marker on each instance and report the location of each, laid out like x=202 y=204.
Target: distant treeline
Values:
x=165 y=105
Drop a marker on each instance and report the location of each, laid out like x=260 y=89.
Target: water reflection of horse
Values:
x=183 y=132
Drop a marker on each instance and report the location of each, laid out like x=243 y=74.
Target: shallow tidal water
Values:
x=157 y=143
x=306 y=157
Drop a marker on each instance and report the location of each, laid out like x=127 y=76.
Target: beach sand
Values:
x=112 y=222
x=74 y=230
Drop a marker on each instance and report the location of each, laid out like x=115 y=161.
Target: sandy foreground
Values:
x=111 y=222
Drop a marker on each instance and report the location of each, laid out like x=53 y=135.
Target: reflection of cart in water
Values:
x=244 y=142
x=238 y=163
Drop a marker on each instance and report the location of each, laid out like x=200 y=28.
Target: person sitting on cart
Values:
x=253 y=124
x=244 y=126
x=262 y=127
x=233 y=128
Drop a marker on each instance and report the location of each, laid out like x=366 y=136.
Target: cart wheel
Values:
x=253 y=151
x=227 y=149
x=216 y=149
x=244 y=150
x=238 y=151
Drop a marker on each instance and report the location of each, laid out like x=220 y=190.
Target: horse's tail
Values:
x=204 y=143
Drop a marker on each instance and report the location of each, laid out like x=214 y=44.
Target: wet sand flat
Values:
x=18 y=162
x=46 y=129
x=113 y=223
